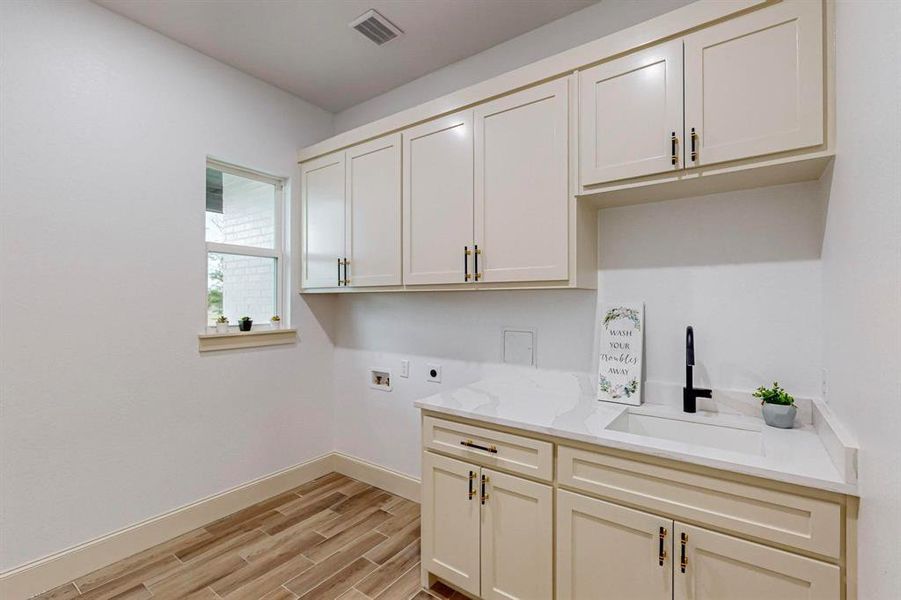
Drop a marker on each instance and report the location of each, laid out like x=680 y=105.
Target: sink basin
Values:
x=688 y=429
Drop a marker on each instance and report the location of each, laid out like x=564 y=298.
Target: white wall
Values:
x=461 y=331
x=109 y=414
x=742 y=267
x=862 y=275
x=574 y=29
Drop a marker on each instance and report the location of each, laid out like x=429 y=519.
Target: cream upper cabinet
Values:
x=437 y=199
x=450 y=521
x=713 y=566
x=609 y=552
x=517 y=538
x=322 y=191
x=521 y=185
x=754 y=84
x=630 y=115
x=373 y=213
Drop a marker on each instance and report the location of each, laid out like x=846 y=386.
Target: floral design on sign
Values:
x=618 y=390
x=622 y=312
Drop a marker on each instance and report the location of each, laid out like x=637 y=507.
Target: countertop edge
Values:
x=789 y=478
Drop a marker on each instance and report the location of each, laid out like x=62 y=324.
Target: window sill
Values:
x=207 y=342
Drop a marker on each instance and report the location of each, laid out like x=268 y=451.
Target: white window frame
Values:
x=277 y=252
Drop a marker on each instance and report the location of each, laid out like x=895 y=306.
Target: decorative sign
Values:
x=619 y=358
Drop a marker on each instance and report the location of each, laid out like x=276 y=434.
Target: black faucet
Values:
x=690 y=394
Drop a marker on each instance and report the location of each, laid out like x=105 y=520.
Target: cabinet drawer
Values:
x=504 y=451
x=798 y=521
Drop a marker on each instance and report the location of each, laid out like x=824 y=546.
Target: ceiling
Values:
x=307 y=48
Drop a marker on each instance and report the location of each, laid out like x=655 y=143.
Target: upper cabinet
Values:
x=486 y=192
x=322 y=195
x=631 y=115
x=351 y=217
x=521 y=185
x=438 y=200
x=372 y=214
x=754 y=85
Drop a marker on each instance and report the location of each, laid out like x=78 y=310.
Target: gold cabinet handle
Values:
x=661 y=552
x=343 y=262
x=485 y=481
x=674 y=148
x=476 y=252
x=694 y=145
x=472 y=478
x=684 y=562
x=466 y=254
x=471 y=444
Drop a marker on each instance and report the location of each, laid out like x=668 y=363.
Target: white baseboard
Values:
x=57 y=569
x=381 y=477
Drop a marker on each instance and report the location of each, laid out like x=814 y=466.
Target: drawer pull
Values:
x=661 y=552
x=470 y=444
x=684 y=560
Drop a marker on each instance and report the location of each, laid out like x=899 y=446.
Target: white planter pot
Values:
x=221 y=327
x=780 y=415
x=276 y=324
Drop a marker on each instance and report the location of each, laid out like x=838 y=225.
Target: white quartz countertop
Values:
x=564 y=405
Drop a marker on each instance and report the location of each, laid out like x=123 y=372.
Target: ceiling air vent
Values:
x=376 y=27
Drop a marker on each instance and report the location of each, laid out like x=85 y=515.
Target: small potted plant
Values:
x=222 y=324
x=779 y=408
x=245 y=323
x=276 y=322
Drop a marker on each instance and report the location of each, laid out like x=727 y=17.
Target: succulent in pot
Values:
x=275 y=321
x=222 y=324
x=245 y=323
x=779 y=408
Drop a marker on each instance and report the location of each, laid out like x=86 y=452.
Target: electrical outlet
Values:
x=404 y=368
x=433 y=373
x=824 y=387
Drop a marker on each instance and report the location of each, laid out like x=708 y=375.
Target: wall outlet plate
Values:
x=380 y=379
x=433 y=373
x=404 y=368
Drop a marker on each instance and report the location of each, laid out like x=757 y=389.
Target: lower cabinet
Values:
x=609 y=551
x=488 y=533
x=711 y=566
x=501 y=519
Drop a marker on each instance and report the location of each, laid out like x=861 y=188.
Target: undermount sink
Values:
x=732 y=437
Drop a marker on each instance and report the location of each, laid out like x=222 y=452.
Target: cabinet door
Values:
x=630 y=109
x=720 y=566
x=517 y=538
x=754 y=84
x=437 y=199
x=373 y=208
x=450 y=521
x=521 y=185
x=605 y=551
x=322 y=191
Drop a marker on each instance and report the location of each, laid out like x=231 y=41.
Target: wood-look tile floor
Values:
x=331 y=538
